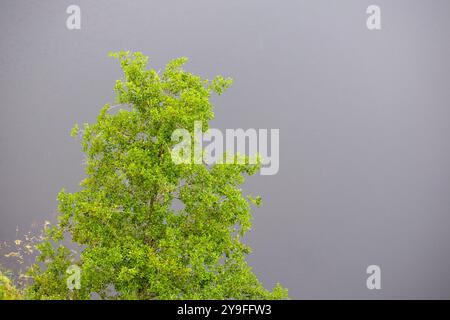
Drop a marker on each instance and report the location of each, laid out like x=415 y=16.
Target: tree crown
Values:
x=149 y=228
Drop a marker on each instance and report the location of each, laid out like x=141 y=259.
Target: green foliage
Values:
x=7 y=289
x=151 y=229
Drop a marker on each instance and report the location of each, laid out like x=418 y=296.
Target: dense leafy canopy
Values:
x=147 y=227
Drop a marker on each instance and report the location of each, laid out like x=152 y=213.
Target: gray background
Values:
x=363 y=116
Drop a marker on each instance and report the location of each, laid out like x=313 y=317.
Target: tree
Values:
x=150 y=228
